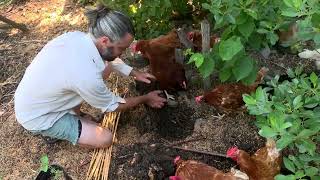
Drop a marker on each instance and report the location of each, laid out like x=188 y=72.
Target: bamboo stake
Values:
x=101 y=159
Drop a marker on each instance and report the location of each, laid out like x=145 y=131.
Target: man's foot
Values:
x=50 y=140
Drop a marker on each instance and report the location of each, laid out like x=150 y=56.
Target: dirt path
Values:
x=19 y=151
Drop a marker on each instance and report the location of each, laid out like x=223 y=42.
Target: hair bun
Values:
x=94 y=14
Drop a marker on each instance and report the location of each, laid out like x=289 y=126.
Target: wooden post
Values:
x=180 y=58
x=22 y=27
x=205 y=31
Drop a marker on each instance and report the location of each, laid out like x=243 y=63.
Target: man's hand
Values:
x=142 y=76
x=154 y=100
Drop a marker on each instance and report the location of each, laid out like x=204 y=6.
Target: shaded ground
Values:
x=133 y=157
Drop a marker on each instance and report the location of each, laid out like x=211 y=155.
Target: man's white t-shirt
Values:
x=66 y=72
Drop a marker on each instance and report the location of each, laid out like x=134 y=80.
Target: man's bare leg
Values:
x=94 y=136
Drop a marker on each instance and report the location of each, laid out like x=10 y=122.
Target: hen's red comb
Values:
x=175 y=161
x=174 y=178
x=190 y=35
x=232 y=151
x=133 y=47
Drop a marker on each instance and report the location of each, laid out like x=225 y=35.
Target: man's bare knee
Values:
x=105 y=140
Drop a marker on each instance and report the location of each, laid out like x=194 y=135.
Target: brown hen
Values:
x=161 y=54
x=162 y=45
x=194 y=170
x=196 y=38
x=228 y=97
x=265 y=164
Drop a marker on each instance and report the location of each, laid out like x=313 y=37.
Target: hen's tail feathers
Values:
x=239 y=174
x=262 y=72
x=273 y=151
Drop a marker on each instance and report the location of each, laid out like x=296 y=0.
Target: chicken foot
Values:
x=219 y=116
x=169 y=96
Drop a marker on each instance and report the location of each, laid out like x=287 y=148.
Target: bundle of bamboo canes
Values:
x=100 y=162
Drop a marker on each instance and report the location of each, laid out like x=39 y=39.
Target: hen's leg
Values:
x=219 y=116
x=171 y=97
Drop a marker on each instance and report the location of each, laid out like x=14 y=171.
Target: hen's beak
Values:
x=133 y=48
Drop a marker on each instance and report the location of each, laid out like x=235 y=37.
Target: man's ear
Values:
x=104 y=41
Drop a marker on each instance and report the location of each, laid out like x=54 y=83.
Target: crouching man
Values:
x=70 y=69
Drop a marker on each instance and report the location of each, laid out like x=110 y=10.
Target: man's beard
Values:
x=107 y=54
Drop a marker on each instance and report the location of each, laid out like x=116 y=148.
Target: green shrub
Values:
x=291 y=116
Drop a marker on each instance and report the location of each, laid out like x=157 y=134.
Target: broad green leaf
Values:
x=231 y=19
x=280 y=106
x=242 y=18
x=289 y=3
x=225 y=74
x=262 y=31
x=289 y=164
x=308 y=158
x=315 y=177
x=316 y=39
x=283 y=177
x=314 y=79
x=44 y=163
x=266 y=24
x=219 y=21
x=310 y=146
x=229 y=48
x=296 y=161
x=199 y=62
x=207 y=67
x=227 y=33
x=256 y=41
x=284 y=141
x=251 y=13
x=301 y=148
x=197 y=58
x=260 y=95
x=306 y=133
x=285 y=125
x=299 y=174
x=242 y=67
x=290 y=73
x=248 y=2
x=267 y=132
x=252 y=76
x=315 y=20
x=311 y=171
x=248 y=99
x=289 y=12
x=167 y=3
x=188 y=52
x=246 y=28
x=297 y=4
x=297 y=102
x=272 y=37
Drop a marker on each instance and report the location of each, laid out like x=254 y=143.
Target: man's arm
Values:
x=120 y=67
x=152 y=99
x=131 y=102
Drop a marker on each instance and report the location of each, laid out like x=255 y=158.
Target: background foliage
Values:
x=289 y=112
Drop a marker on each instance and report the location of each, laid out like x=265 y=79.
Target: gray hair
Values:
x=106 y=22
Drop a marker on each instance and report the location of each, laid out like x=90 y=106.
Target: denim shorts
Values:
x=68 y=127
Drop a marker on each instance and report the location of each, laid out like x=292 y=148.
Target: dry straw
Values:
x=100 y=162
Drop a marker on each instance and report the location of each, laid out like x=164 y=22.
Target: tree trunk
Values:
x=205 y=31
x=22 y=27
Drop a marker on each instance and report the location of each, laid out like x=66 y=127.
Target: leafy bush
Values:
x=291 y=116
x=254 y=24
x=154 y=17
